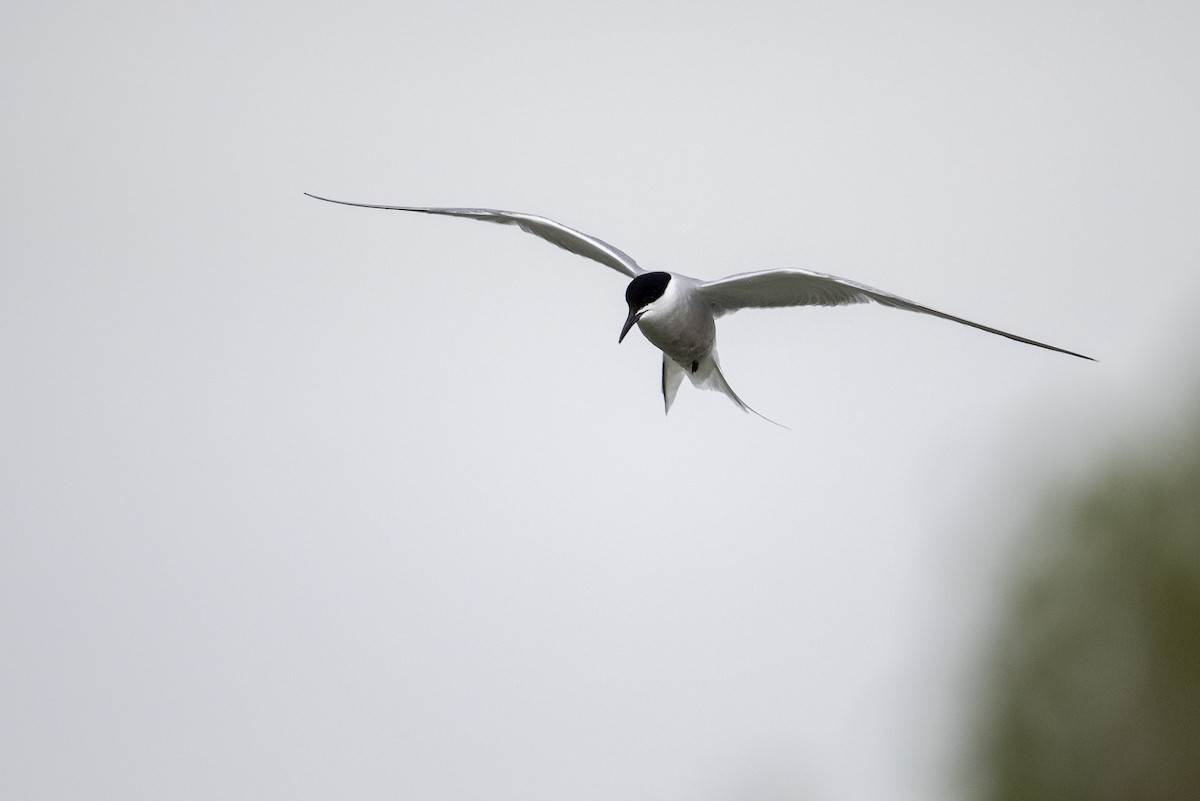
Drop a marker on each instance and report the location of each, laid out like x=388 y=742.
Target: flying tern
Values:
x=678 y=313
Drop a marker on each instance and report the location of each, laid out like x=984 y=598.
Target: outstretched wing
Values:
x=566 y=238
x=775 y=288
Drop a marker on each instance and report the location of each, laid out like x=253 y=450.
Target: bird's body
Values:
x=678 y=314
x=680 y=323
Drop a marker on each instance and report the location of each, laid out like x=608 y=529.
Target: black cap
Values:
x=646 y=288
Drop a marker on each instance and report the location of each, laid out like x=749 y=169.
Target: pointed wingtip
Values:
x=339 y=202
x=1060 y=350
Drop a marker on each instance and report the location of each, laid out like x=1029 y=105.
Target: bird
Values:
x=678 y=313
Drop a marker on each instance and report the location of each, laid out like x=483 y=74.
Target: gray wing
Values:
x=566 y=238
x=775 y=288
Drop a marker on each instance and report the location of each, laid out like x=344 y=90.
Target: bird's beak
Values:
x=634 y=316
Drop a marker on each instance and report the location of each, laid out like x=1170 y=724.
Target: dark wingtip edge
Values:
x=1072 y=353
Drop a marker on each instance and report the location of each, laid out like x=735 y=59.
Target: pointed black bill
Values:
x=633 y=317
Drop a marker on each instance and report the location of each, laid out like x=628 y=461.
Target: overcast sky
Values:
x=300 y=501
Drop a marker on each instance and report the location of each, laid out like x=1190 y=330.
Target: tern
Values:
x=678 y=314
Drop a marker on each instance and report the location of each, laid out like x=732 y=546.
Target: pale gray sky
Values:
x=303 y=502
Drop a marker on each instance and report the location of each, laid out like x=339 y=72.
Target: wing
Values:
x=566 y=238
x=775 y=288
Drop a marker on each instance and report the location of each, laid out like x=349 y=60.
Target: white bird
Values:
x=678 y=313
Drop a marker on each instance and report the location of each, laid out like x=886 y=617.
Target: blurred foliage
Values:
x=1095 y=678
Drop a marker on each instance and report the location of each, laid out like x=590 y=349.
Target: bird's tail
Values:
x=708 y=375
x=672 y=377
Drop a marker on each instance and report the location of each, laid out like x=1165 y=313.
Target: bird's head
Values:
x=641 y=295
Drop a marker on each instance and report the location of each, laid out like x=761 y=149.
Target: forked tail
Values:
x=719 y=383
x=707 y=375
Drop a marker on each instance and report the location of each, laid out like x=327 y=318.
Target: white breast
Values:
x=680 y=323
